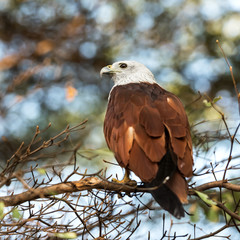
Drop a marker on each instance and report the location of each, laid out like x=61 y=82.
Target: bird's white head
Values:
x=124 y=72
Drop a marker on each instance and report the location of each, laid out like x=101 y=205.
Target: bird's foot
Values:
x=126 y=181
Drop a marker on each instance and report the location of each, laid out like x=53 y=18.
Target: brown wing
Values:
x=138 y=118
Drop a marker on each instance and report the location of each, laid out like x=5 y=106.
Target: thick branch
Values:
x=93 y=183
x=223 y=184
x=67 y=187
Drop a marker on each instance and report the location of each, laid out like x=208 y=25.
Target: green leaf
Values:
x=194 y=212
x=2 y=205
x=66 y=235
x=207 y=103
x=213 y=214
x=205 y=198
x=42 y=171
x=92 y=153
x=16 y=213
x=216 y=99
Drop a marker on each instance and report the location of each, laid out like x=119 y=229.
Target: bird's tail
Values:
x=172 y=186
x=168 y=200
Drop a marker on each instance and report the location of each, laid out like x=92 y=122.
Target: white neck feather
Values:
x=137 y=77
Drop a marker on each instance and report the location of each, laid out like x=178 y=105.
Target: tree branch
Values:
x=209 y=185
x=91 y=183
x=66 y=187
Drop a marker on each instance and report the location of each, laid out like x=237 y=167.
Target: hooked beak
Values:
x=108 y=70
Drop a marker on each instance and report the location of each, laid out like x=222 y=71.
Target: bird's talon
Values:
x=126 y=181
x=115 y=180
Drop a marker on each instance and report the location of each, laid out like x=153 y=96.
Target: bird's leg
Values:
x=126 y=179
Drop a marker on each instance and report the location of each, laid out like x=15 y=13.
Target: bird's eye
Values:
x=123 y=65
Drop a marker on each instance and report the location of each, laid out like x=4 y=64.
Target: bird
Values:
x=147 y=129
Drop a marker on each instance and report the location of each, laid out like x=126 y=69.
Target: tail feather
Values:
x=168 y=200
x=173 y=193
x=178 y=184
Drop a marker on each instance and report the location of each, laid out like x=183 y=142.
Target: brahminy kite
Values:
x=147 y=129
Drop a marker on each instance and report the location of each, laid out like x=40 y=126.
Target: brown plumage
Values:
x=147 y=129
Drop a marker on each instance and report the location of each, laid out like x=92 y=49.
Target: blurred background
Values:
x=51 y=52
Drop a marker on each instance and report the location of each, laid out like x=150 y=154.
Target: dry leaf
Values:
x=71 y=92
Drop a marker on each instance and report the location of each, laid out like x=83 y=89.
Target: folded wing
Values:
x=143 y=123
